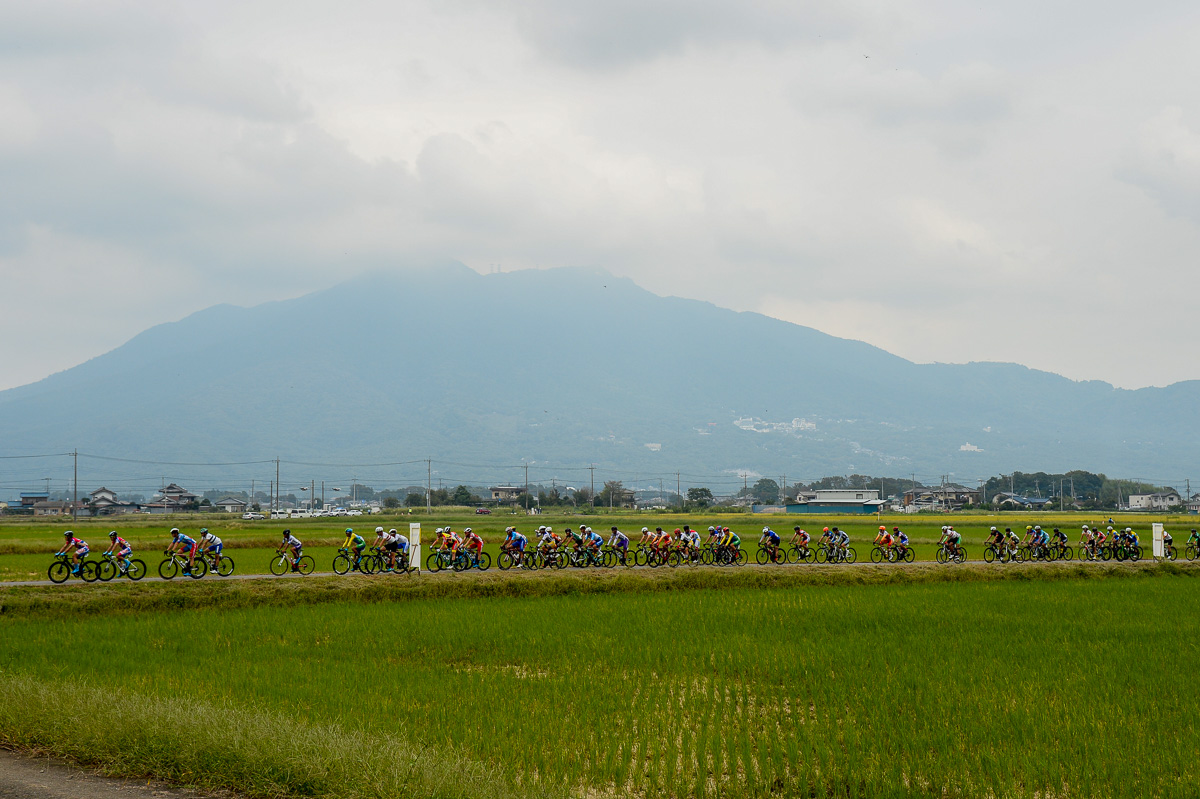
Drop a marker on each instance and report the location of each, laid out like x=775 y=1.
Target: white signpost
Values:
x=414 y=545
x=1159 y=550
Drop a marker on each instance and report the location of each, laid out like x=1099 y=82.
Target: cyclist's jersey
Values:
x=574 y=536
x=841 y=537
x=732 y=540
x=120 y=544
x=693 y=538
x=1167 y=538
x=210 y=540
x=1193 y=537
x=595 y=539
x=547 y=537
x=887 y=539
x=355 y=540
x=1059 y=535
x=474 y=541
x=185 y=540
x=619 y=539
x=79 y=543
x=1133 y=540
x=289 y=540
x=953 y=537
x=516 y=538
x=772 y=536
x=902 y=538
x=803 y=537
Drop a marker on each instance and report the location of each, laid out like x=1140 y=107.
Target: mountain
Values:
x=569 y=367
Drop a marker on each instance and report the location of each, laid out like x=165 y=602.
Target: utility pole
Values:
x=322 y=495
x=526 y=486
x=678 y=490
x=1061 y=505
x=429 y=485
x=661 y=499
x=75 y=489
x=312 y=490
x=592 y=469
x=276 y=505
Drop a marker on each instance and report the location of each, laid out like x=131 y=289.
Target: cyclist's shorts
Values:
x=393 y=546
x=126 y=552
x=81 y=551
x=216 y=548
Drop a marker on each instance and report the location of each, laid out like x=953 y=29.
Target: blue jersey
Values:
x=772 y=536
x=595 y=538
x=185 y=540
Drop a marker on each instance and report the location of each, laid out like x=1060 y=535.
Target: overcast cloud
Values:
x=947 y=181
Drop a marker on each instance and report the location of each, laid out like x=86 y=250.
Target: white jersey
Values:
x=210 y=540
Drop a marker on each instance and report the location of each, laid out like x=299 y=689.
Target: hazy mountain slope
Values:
x=572 y=366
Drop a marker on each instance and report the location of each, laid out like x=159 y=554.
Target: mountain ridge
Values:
x=576 y=366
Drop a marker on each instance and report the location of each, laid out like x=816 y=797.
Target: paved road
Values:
x=24 y=777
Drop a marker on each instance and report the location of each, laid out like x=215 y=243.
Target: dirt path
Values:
x=26 y=777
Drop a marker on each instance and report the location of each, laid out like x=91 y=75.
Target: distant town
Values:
x=853 y=494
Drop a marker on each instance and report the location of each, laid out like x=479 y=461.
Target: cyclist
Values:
x=995 y=537
x=841 y=540
x=1131 y=538
x=1060 y=540
x=901 y=539
x=1194 y=538
x=1167 y=541
x=646 y=537
x=474 y=545
x=1085 y=538
x=886 y=540
x=1040 y=539
x=515 y=541
x=295 y=545
x=576 y=538
x=620 y=542
x=772 y=539
x=951 y=537
x=180 y=542
x=208 y=543
x=1029 y=535
x=397 y=546
x=732 y=543
x=357 y=543
x=81 y=549
x=693 y=540
x=879 y=536
x=593 y=541
x=548 y=541
x=715 y=534
x=122 y=547
x=1012 y=540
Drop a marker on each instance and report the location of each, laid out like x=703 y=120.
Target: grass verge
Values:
x=221 y=746
x=75 y=599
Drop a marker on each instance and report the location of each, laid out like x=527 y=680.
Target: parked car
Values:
x=483 y=511
x=253 y=516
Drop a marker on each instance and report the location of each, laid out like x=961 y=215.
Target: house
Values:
x=172 y=499
x=852 y=500
x=232 y=505
x=1193 y=505
x=506 y=493
x=104 y=502
x=32 y=498
x=1006 y=501
x=944 y=497
x=52 y=507
x=1161 y=500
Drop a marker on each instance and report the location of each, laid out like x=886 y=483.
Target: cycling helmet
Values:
x=825 y=530
x=712 y=529
x=835 y=530
x=175 y=530
x=380 y=530
x=112 y=533
x=676 y=531
x=647 y=529
x=1056 y=529
x=286 y=533
x=203 y=531
x=656 y=529
x=882 y=529
x=549 y=529
x=895 y=529
x=70 y=533
x=468 y=531
x=993 y=529
x=1037 y=527
x=589 y=529
x=614 y=528
x=797 y=528
x=1129 y=529
x=766 y=530
x=392 y=531
x=351 y=530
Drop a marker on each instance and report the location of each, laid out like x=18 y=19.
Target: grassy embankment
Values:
x=25 y=544
x=980 y=683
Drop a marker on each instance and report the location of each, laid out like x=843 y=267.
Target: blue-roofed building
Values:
x=851 y=500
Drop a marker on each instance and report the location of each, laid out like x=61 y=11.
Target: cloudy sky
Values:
x=950 y=181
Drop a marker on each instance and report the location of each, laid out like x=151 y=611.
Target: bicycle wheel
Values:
x=740 y=559
x=761 y=557
x=89 y=571
x=822 y=555
x=106 y=570
x=961 y=555
x=136 y=570
x=59 y=571
x=279 y=565
x=1170 y=553
x=909 y=555
x=341 y=564
x=485 y=561
x=1135 y=553
x=199 y=569
x=941 y=556
x=168 y=569
x=877 y=555
x=433 y=562
x=851 y=554
x=307 y=564
x=989 y=555
x=226 y=566
x=505 y=561
x=674 y=559
x=1067 y=553
x=1190 y=551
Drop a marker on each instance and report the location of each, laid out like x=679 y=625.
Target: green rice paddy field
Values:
x=1071 y=687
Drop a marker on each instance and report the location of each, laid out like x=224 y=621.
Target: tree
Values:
x=582 y=496
x=765 y=491
x=461 y=496
x=613 y=495
x=414 y=500
x=391 y=503
x=700 y=496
